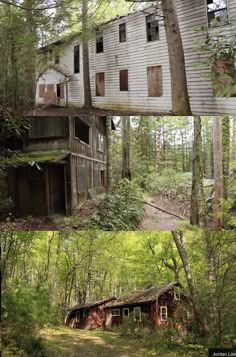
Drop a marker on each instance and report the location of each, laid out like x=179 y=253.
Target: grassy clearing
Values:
x=63 y=341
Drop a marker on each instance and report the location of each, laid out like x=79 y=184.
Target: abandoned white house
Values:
x=129 y=62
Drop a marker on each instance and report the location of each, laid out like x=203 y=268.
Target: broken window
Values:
x=76 y=59
x=154 y=78
x=163 y=313
x=100 y=88
x=100 y=142
x=99 y=42
x=82 y=131
x=152 y=28
x=44 y=127
x=81 y=179
x=124 y=86
x=217 y=12
x=122 y=32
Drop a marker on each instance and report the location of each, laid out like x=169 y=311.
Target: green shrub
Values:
x=121 y=210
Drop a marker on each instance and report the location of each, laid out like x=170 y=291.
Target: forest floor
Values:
x=158 y=220
x=63 y=342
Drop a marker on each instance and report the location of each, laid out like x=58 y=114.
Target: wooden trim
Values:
x=88 y=158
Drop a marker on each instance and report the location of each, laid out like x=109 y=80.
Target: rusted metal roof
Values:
x=143 y=296
x=91 y=304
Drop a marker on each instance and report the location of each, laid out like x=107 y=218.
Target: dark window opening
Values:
x=217 y=12
x=124 y=86
x=76 y=59
x=57 y=59
x=99 y=42
x=100 y=87
x=102 y=178
x=122 y=32
x=154 y=78
x=58 y=90
x=152 y=28
x=44 y=127
x=82 y=131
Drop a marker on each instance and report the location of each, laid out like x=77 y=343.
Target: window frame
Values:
x=99 y=35
x=90 y=132
x=220 y=23
x=153 y=24
x=85 y=313
x=115 y=314
x=177 y=293
x=125 y=309
x=77 y=64
x=166 y=316
x=138 y=308
x=57 y=58
x=121 y=82
x=122 y=31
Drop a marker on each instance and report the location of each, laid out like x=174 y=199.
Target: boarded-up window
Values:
x=76 y=59
x=42 y=90
x=81 y=179
x=152 y=28
x=154 y=79
x=43 y=127
x=100 y=87
x=124 y=86
x=51 y=94
x=122 y=32
x=99 y=42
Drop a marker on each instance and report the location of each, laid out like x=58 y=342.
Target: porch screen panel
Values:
x=81 y=179
x=154 y=79
x=47 y=127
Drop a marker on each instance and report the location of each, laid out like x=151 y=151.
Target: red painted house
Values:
x=88 y=316
x=152 y=307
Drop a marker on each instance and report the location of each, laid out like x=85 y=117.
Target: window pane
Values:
x=76 y=59
x=152 y=28
x=99 y=42
x=122 y=32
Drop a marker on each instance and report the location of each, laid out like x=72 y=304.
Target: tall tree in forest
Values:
x=196 y=174
x=109 y=153
x=225 y=154
x=86 y=76
x=126 y=172
x=179 y=89
x=218 y=174
x=201 y=324
x=158 y=146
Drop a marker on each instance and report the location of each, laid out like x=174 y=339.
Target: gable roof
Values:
x=143 y=296
x=91 y=304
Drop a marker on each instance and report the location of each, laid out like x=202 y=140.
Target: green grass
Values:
x=63 y=341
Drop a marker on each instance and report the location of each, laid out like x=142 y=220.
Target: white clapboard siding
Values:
x=136 y=54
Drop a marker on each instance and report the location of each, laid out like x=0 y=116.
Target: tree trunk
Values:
x=158 y=146
x=109 y=153
x=225 y=154
x=218 y=187
x=201 y=324
x=179 y=90
x=126 y=172
x=196 y=174
x=87 y=87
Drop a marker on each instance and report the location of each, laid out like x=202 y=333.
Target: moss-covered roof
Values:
x=38 y=157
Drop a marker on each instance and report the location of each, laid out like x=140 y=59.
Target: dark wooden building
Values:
x=63 y=162
x=152 y=307
x=88 y=316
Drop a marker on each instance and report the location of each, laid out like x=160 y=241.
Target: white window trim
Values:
x=161 y=309
x=176 y=294
x=116 y=314
x=138 y=308
x=125 y=308
x=77 y=316
x=85 y=313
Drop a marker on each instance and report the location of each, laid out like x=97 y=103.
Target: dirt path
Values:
x=156 y=220
x=66 y=342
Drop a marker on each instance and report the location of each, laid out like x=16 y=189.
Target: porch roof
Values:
x=91 y=304
x=143 y=296
x=32 y=158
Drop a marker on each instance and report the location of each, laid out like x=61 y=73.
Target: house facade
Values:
x=129 y=62
x=88 y=316
x=63 y=163
x=152 y=307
